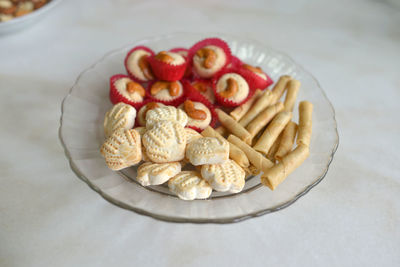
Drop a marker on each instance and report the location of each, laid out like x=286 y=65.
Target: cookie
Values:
x=188 y=185
x=120 y=116
x=157 y=173
x=191 y=135
x=167 y=113
x=165 y=141
x=207 y=150
x=122 y=149
x=228 y=176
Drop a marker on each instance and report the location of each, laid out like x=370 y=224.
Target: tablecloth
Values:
x=48 y=217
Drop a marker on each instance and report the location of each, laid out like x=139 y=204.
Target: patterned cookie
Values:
x=191 y=135
x=119 y=116
x=189 y=185
x=122 y=149
x=167 y=113
x=142 y=131
x=165 y=142
x=157 y=173
x=207 y=150
x=228 y=176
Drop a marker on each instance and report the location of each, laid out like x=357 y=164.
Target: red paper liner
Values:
x=254 y=81
x=235 y=63
x=115 y=95
x=175 y=102
x=165 y=71
x=195 y=96
x=210 y=41
x=224 y=101
x=132 y=76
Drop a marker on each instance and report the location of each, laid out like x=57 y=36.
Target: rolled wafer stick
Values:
x=277 y=174
x=251 y=170
x=287 y=140
x=255 y=158
x=274 y=148
x=291 y=94
x=279 y=88
x=305 y=123
x=262 y=102
x=233 y=126
x=235 y=153
x=272 y=132
x=239 y=112
x=222 y=131
x=262 y=119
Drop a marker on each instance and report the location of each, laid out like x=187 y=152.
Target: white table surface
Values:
x=48 y=217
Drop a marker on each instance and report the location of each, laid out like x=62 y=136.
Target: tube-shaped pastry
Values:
x=279 y=88
x=255 y=158
x=287 y=140
x=222 y=131
x=272 y=132
x=235 y=153
x=277 y=174
x=274 y=148
x=305 y=123
x=233 y=126
x=291 y=94
x=241 y=110
x=262 y=119
x=262 y=102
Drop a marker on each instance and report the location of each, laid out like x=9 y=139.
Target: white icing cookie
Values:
x=188 y=185
x=228 y=176
x=167 y=113
x=122 y=149
x=165 y=142
x=207 y=150
x=119 y=116
x=157 y=173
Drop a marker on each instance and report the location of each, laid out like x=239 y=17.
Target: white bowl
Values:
x=17 y=24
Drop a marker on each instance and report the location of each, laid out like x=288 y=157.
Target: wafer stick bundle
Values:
x=266 y=123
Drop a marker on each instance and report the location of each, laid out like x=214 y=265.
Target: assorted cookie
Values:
x=172 y=96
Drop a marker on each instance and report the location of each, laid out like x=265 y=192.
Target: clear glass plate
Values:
x=81 y=133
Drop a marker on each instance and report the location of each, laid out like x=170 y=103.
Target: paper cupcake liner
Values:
x=165 y=71
x=116 y=96
x=210 y=41
x=175 y=102
x=235 y=62
x=224 y=101
x=254 y=81
x=195 y=96
x=132 y=76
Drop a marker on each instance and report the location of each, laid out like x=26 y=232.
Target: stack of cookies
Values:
x=166 y=109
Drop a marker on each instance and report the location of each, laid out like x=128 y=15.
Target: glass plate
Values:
x=81 y=133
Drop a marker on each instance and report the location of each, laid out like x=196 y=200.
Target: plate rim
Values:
x=174 y=219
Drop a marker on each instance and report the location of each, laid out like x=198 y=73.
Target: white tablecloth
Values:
x=48 y=217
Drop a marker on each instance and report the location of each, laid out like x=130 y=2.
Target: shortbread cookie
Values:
x=167 y=113
x=189 y=185
x=142 y=131
x=122 y=149
x=207 y=150
x=228 y=176
x=157 y=173
x=191 y=135
x=119 y=116
x=165 y=142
